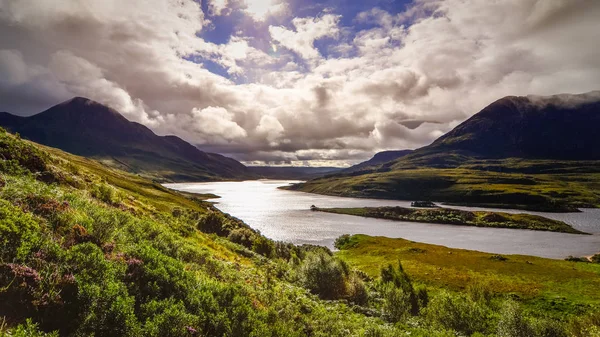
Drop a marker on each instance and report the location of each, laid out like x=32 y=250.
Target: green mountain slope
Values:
x=87 y=128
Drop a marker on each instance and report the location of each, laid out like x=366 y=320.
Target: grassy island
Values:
x=458 y=217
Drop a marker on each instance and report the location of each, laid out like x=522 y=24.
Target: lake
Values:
x=286 y=216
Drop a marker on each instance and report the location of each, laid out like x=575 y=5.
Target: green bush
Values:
x=212 y=223
x=106 y=193
x=324 y=275
x=28 y=329
x=459 y=313
x=19 y=233
x=263 y=246
x=341 y=242
x=512 y=321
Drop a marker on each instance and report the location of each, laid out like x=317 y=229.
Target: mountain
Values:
x=292 y=172
x=87 y=128
x=563 y=127
x=533 y=152
x=378 y=159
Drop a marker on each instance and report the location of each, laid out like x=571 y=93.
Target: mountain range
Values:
x=87 y=128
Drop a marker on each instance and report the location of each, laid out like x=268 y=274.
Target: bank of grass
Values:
x=546 y=285
x=458 y=217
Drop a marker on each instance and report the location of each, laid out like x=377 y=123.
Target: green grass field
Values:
x=550 y=285
x=501 y=184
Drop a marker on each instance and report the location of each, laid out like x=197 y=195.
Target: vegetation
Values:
x=91 y=251
x=539 y=185
x=459 y=217
x=548 y=286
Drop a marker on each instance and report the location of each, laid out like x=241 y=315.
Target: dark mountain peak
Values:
x=88 y=128
x=551 y=127
x=78 y=100
x=78 y=107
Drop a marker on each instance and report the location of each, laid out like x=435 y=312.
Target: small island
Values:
x=423 y=204
x=450 y=216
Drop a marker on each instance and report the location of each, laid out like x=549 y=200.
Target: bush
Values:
x=263 y=246
x=107 y=194
x=19 y=232
x=458 y=312
x=212 y=223
x=399 y=295
x=242 y=236
x=324 y=275
x=512 y=321
x=341 y=242
x=29 y=329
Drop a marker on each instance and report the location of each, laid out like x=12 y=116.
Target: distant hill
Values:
x=87 y=128
x=537 y=153
x=292 y=172
x=378 y=159
x=563 y=127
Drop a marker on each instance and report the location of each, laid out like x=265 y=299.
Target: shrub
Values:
x=18 y=232
x=242 y=236
x=357 y=291
x=596 y=258
x=341 y=242
x=398 y=303
x=29 y=329
x=263 y=246
x=512 y=322
x=324 y=275
x=457 y=312
x=168 y=318
x=107 y=194
x=212 y=223
x=398 y=293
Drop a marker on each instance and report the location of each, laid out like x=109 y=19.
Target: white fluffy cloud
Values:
x=399 y=84
x=307 y=31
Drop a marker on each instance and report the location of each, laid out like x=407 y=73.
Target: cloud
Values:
x=259 y=10
x=333 y=91
x=307 y=31
x=218 y=7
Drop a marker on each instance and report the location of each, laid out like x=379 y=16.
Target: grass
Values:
x=553 y=286
x=511 y=183
x=459 y=217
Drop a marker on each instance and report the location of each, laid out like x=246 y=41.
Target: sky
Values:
x=289 y=82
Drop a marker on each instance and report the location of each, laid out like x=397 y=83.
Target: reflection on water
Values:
x=285 y=215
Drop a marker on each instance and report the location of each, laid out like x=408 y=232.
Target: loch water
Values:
x=286 y=216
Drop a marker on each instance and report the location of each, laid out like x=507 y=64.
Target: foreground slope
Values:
x=539 y=153
x=91 y=251
x=87 y=128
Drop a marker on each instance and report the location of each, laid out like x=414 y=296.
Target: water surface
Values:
x=286 y=216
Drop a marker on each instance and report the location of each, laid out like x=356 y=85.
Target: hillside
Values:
x=87 y=128
x=538 y=153
x=93 y=251
x=378 y=159
x=561 y=127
